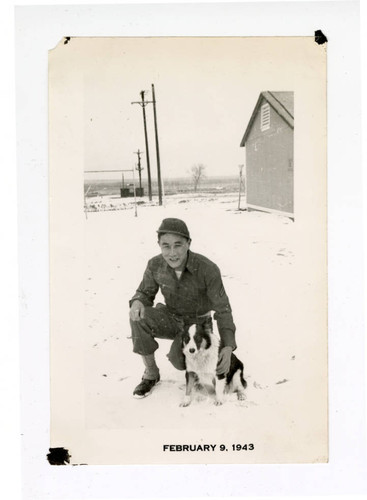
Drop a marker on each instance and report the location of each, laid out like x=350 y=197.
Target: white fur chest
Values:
x=203 y=361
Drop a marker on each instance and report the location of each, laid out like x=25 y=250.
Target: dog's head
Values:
x=198 y=337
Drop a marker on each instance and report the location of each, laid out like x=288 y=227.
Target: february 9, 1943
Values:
x=207 y=447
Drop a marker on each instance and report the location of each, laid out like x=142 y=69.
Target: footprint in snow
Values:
x=259 y=386
x=282 y=381
x=246 y=404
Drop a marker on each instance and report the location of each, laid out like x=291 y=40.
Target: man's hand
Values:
x=137 y=310
x=224 y=361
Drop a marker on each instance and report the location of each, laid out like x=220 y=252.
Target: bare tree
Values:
x=197 y=173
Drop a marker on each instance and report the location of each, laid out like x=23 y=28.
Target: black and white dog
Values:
x=201 y=348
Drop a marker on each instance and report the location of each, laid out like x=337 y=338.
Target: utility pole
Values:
x=240 y=186
x=139 y=168
x=157 y=148
x=143 y=103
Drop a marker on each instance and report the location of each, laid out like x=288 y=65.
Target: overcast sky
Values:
x=206 y=90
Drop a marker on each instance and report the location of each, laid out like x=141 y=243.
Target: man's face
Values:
x=174 y=250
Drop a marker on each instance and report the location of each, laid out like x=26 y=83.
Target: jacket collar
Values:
x=191 y=262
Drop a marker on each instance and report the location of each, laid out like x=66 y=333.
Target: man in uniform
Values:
x=192 y=287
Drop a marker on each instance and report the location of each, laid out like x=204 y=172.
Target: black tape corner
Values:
x=58 y=456
x=320 y=38
x=66 y=40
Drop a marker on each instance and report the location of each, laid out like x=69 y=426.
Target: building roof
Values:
x=281 y=102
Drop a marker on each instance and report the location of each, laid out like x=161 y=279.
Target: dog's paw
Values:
x=218 y=402
x=184 y=404
x=241 y=396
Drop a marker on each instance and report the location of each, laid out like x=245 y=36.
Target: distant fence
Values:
x=104 y=187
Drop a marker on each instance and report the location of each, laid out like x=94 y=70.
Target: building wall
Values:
x=269 y=164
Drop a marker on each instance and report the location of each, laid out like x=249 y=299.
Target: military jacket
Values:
x=198 y=290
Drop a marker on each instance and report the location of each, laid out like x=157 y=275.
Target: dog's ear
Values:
x=208 y=325
x=184 y=337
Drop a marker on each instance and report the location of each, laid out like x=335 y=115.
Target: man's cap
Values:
x=174 y=226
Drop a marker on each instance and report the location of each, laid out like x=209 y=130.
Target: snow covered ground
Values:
x=257 y=255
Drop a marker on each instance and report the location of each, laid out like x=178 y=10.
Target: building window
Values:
x=265 y=117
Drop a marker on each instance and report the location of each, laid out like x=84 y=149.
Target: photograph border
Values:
x=345 y=202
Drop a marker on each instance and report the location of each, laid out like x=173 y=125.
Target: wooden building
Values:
x=269 y=154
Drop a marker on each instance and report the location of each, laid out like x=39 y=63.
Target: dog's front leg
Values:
x=220 y=383
x=190 y=381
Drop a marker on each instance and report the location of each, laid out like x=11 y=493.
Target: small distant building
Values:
x=269 y=154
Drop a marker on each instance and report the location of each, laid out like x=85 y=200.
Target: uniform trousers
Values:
x=159 y=323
